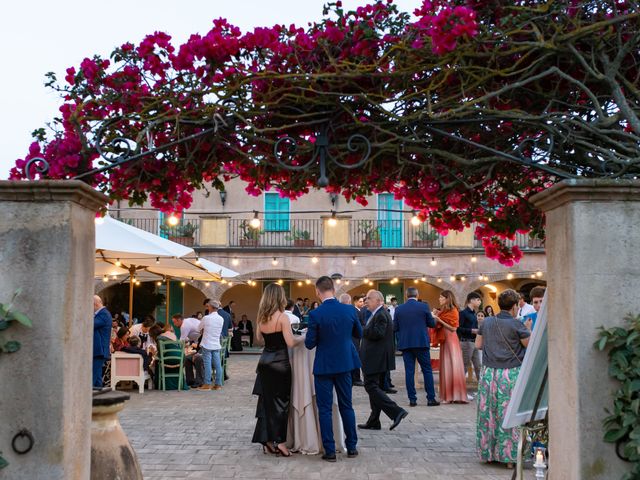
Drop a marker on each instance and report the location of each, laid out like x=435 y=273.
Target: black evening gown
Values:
x=273 y=387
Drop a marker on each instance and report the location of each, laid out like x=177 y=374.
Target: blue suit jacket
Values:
x=331 y=327
x=226 y=316
x=410 y=323
x=101 y=333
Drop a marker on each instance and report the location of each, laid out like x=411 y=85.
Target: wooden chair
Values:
x=170 y=357
x=128 y=366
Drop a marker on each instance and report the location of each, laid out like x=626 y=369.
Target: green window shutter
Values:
x=276 y=213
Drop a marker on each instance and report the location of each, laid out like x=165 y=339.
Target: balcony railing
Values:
x=311 y=233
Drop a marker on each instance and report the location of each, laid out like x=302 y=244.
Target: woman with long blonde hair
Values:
x=453 y=388
x=273 y=381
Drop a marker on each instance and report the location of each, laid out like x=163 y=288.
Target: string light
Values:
x=299 y=284
x=197 y=260
x=424 y=279
x=370 y=284
x=105 y=279
x=274 y=262
x=332 y=221
x=346 y=282
x=365 y=280
x=307 y=281
x=255 y=221
x=538 y=273
x=158 y=283
x=235 y=262
x=183 y=284
x=433 y=262
x=354 y=260
x=474 y=259
x=415 y=221
x=463 y=278
x=481 y=277
x=439 y=280
x=338 y=281
x=415 y=281
x=509 y=276
x=231 y=284
x=452 y=278
x=314 y=259
x=113 y=277
x=533 y=275
x=280 y=282
x=393 y=260
x=157 y=260
x=118 y=262
x=207 y=284
x=99 y=220
x=223 y=281
x=173 y=220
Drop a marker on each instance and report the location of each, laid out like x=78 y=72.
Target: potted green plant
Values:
x=425 y=238
x=371 y=237
x=301 y=238
x=182 y=234
x=248 y=235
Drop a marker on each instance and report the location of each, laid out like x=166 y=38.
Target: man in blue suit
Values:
x=410 y=324
x=101 y=339
x=331 y=327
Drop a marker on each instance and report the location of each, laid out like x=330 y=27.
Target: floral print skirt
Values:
x=494 y=443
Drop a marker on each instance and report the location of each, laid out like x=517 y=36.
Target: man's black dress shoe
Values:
x=398 y=419
x=366 y=426
x=413 y=404
x=391 y=390
x=358 y=383
x=329 y=458
x=433 y=403
x=352 y=453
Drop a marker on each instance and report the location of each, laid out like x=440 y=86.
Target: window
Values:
x=276 y=213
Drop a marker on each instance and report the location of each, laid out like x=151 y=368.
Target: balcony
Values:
x=318 y=233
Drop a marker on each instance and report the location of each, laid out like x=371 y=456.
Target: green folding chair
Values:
x=171 y=357
x=224 y=348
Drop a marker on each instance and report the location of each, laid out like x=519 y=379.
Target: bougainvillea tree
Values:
x=469 y=108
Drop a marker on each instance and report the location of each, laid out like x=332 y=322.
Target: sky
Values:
x=39 y=36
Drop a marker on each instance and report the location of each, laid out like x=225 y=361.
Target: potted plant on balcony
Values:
x=535 y=242
x=301 y=238
x=182 y=234
x=248 y=235
x=371 y=234
x=425 y=238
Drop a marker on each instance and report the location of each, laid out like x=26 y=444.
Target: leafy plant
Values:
x=370 y=230
x=622 y=426
x=427 y=235
x=184 y=230
x=299 y=235
x=247 y=231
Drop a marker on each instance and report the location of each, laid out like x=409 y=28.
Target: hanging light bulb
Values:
x=393 y=260
x=235 y=261
x=338 y=281
x=365 y=280
x=280 y=282
x=307 y=281
x=157 y=260
x=433 y=262
x=105 y=279
x=197 y=260
x=395 y=280
x=158 y=283
x=299 y=284
x=439 y=280
x=223 y=281
x=452 y=278
x=230 y=284
x=332 y=222
x=533 y=275
x=354 y=260
x=118 y=262
x=173 y=220
x=255 y=221
x=474 y=259
x=415 y=221
x=274 y=262
x=538 y=274
x=314 y=259
x=509 y=276
x=183 y=284
x=463 y=278
x=99 y=220
x=481 y=277
x=346 y=282
x=206 y=284
x=113 y=277
x=415 y=281
x=424 y=279
x=371 y=284
x=137 y=282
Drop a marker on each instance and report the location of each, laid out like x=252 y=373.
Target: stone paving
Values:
x=194 y=434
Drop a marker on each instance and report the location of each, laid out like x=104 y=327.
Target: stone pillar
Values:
x=593 y=234
x=47 y=249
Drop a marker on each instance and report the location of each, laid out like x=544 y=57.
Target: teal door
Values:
x=390 y=222
x=175 y=301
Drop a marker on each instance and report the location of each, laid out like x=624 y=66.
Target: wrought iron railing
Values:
x=310 y=233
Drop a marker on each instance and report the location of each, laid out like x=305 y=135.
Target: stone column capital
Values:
x=588 y=189
x=42 y=191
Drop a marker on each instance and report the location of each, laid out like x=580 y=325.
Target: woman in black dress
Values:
x=273 y=382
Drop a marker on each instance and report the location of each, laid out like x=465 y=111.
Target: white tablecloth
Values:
x=303 y=434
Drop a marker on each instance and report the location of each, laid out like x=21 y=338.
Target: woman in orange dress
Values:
x=453 y=388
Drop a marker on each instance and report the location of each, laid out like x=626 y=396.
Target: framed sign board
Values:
x=531 y=377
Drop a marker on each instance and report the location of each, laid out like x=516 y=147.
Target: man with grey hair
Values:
x=211 y=327
x=377 y=353
x=410 y=325
x=345 y=298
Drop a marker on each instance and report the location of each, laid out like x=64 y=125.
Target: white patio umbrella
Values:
x=120 y=246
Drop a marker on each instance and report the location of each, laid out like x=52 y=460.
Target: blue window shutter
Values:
x=276 y=213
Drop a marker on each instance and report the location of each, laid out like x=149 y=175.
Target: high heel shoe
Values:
x=266 y=448
x=281 y=452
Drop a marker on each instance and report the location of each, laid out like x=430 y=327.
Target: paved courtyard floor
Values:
x=194 y=434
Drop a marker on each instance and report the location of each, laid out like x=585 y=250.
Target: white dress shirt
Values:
x=189 y=325
x=211 y=325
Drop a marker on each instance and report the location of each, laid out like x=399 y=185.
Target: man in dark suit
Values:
x=410 y=324
x=229 y=308
x=377 y=354
x=246 y=328
x=358 y=303
x=330 y=329
x=297 y=308
x=101 y=339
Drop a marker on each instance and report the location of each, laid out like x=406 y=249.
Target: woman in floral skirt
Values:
x=503 y=340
